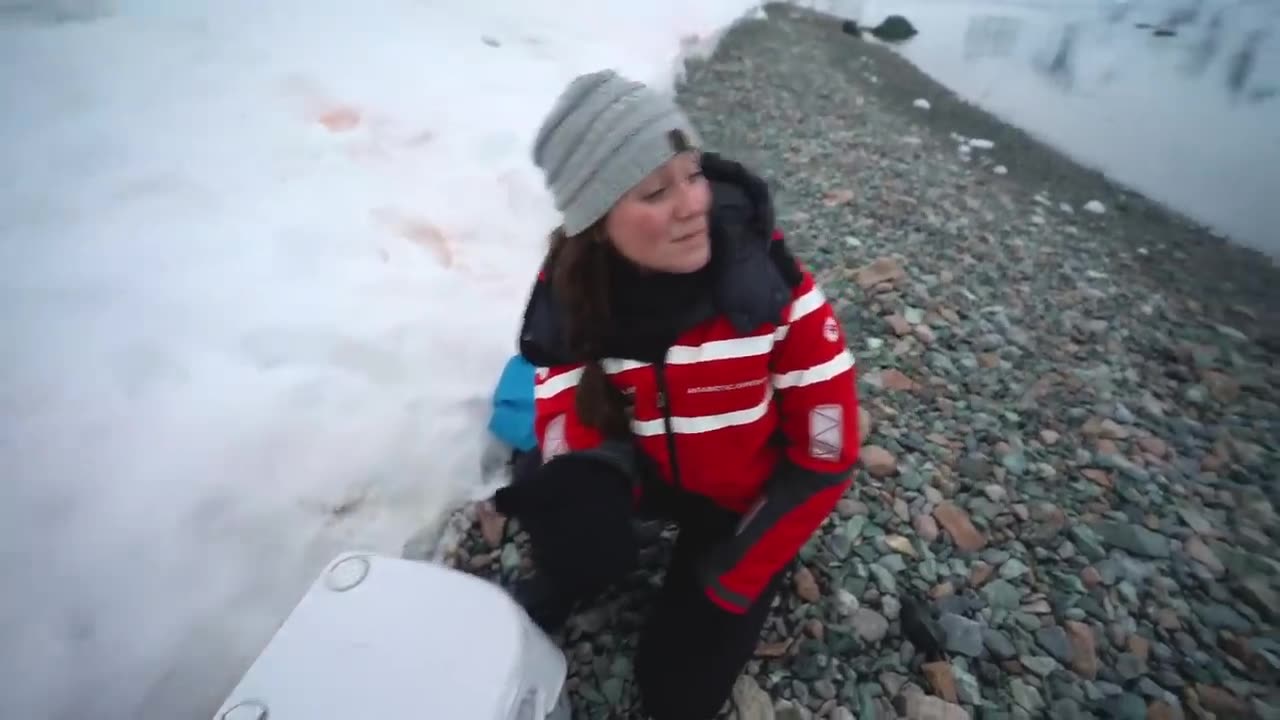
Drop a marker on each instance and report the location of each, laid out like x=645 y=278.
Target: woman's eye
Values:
x=697 y=174
x=655 y=194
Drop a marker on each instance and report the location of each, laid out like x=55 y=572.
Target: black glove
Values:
x=577 y=511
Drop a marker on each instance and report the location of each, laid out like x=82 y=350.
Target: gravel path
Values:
x=1074 y=421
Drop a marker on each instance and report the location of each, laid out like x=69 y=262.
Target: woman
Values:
x=688 y=367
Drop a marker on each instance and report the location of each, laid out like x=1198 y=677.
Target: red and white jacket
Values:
x=762 y=421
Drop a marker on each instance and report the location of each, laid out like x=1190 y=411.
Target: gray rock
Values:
x=1222 y=617
x=1054 y=640
x=1039 y=664
x=870 y=625
x=1066 y=709
x=1001 y=647
x=963 y=636
x=824 y=689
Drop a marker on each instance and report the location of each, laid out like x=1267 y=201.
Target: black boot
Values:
x=547 y=606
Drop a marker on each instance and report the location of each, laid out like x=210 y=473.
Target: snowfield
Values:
x=262 y=265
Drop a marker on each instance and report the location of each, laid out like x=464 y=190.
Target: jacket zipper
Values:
x=664 y=404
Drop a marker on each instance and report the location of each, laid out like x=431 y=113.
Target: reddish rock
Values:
x=1049 y=437
x=1091 y=577
x=1084 y=647
x=925 y=334
x=492 y=524
x=899 y=324
x=893 y=379
x=980 y=573
x=926 y=527
x=805 y=584
x=958 y=525
x=1222 y=702
x=1224 y=388
x=864 y=424
x=1112 y=430
x=1098 y=476
x=774 y=649
x=1203 y=554
x=1139 y=647
x=988 y=361
x=880 y=463
x=941 y=590
x=941 y=680
x=1161 y=710
x=1106 y=446
x=881 y=270
x=1153 y=446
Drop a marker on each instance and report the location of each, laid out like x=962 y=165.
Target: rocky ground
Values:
x=1074 y=420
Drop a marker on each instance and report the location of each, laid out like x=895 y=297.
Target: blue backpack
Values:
x=512 y=419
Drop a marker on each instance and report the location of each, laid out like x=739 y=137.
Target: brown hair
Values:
x=580 y=275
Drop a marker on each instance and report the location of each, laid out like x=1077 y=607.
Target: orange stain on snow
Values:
x=339 y=119
x=422 y=233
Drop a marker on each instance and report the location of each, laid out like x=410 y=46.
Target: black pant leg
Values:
x=692 y=651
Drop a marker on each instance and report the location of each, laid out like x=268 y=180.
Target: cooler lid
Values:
x=391 y=639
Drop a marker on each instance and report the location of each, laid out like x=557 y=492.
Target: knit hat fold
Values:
x=604 y=134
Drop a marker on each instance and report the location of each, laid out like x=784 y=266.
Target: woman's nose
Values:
x=691 y=199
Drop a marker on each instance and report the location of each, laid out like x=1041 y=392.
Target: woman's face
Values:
x=661 y=223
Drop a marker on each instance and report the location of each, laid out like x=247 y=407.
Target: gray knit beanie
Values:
x=604 y=135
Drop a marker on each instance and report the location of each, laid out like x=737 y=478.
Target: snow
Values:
x=263 y=263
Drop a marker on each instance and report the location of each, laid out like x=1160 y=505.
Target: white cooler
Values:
x=381 y=638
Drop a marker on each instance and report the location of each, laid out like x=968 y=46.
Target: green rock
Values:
x=1128 y=707
x=1088 y=542
x=1003 y=595
x=884 y=578
x=1134 y=539
x=853 y=528
x=911 y=480
x=612 y=689
x=893 y=562
x=510 y=558
x=1014 y=568
x=928 y=569
x=1026 y=697
x=840 y=545
x=855 y=585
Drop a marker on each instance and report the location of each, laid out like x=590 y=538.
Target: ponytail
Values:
x=580 y=281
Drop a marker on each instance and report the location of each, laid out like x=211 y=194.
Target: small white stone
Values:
x=1064 y=207
x=1000 y=170
x=1095 y=207
x=853 y=242
x=981 y=144
x=874 y=343
x=921 y=103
